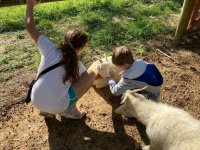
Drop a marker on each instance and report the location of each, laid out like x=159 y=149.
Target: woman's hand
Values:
x=121 y=73
x=29 y=20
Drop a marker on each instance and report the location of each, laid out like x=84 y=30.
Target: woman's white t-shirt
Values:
x=49 y=94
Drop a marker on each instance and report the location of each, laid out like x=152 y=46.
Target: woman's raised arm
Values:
x=29 y=20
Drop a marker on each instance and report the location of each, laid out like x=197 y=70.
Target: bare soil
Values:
x=22 y=128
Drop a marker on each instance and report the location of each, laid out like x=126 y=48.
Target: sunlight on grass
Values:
x=109 y=23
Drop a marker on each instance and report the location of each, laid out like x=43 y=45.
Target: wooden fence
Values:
x=189 y=20
x=4 y=3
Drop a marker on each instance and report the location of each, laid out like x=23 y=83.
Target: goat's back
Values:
x=173 y=129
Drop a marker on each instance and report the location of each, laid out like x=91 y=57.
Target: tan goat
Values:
x=105 y=66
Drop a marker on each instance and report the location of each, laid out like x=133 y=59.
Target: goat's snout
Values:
x=104 y=70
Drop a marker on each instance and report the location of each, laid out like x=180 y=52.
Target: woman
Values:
x=57 y=91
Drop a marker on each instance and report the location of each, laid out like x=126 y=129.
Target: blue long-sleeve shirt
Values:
x=139 y=74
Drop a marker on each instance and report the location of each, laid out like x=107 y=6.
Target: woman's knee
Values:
x=84 y=82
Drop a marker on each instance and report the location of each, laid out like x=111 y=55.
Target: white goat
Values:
x=104 y=68
x=168 y=128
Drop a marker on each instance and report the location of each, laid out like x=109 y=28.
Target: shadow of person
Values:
x=75 y=135
x=118 y=121
x=141 y=129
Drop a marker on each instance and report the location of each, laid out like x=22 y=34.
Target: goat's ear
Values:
x=106 y=57
x=138 y=90
x=120 y=110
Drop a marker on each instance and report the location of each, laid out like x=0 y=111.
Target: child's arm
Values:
x=29 y=20
x=120 y=87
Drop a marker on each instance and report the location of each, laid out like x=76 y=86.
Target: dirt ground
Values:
x=22 y=128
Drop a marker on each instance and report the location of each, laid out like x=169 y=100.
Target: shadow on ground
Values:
x=118 y=121
x=75 y=135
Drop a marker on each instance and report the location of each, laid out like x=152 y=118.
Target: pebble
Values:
x=103 y=113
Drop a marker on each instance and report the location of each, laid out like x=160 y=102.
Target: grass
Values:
x=109 y=23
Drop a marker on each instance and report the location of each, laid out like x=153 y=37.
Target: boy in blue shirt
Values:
x=135 y=74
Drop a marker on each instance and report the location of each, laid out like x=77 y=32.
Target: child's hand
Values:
x=121 y=72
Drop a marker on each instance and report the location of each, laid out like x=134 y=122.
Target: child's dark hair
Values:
x=122 y=55
x=74 y=41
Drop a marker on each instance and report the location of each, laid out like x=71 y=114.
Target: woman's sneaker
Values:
x=73 y=113
x=46 y=115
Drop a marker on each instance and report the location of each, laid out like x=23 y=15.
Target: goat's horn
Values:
x=101 y=61
x=96 y=57
x=106 y=57
x=138 y=90
x=124 y=99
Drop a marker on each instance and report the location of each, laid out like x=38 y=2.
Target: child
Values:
x=136 y=74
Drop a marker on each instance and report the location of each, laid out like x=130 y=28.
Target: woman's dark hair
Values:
x=74 y=41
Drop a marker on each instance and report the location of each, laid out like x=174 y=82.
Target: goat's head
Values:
x=129 y=98
x=133 y=95
x=104 y=68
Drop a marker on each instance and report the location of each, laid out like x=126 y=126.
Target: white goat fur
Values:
x=167 y=127
x=106 y=67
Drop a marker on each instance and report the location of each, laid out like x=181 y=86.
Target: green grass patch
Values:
x=109 y=23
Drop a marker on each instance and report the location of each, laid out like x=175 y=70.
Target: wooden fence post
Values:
x=184 y=20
